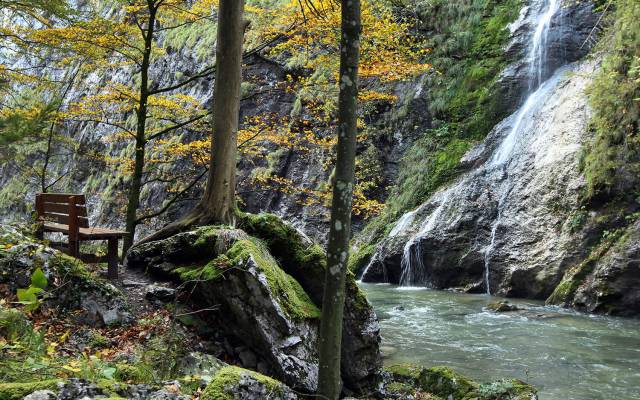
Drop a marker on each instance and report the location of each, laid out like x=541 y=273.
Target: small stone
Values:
x=41 y=395
x=161 y=293
x=130 y=283
x=502 y=306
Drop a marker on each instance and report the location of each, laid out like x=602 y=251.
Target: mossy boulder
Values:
x=306 y=262
x=507 y=389
x=97 y=300
x=445 y=383
x=608 y=280
x=502 y=306
x=234 y=383
x=257 y=303
x=16 y=391
x=267 y=280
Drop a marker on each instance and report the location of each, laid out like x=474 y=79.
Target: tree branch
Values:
x=174 y=199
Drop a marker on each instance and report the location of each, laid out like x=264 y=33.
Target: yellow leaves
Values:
x=371 y=95
x=388 y=50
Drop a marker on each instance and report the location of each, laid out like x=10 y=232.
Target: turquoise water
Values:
x=567 y=355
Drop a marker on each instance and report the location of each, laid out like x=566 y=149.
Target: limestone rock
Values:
x=267 y=293
x=608 y=281
x=241 y=384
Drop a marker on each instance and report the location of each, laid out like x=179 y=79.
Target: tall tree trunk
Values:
x=141 y=141
x=340 y=230
x=219 y=197
x=218 y=203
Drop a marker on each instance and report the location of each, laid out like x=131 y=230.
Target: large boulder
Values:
x=71 y=287
x=306 y=262
x=267 y=281
x=417 y=382
x=232 y=383
x=607 y=281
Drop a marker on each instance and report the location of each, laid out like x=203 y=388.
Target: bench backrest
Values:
x=63 y=208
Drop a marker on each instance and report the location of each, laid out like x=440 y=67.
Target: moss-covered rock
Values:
x=502 y=306
x=286 y=290
x=99 y=302
x=306 y=262
x=259 y=303
x=140 y=373
x=234 y=383
x=608 y=280
x=507 y=389
x=16 y=391
x=267 y=278
x=445 y=383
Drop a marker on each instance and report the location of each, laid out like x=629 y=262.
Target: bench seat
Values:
x=93 y=233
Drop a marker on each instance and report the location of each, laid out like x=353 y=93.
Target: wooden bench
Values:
x=67 y=214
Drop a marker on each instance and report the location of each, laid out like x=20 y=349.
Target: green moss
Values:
x=225 y=382
x=16 y=391
x=445 y=382
x=575 y=276
x=304 y=260
x=360 y=258
x=287 y=291
x=291 y=296
x=140 y=373
x=13 y=325
x=612 y=159
x=405 y=372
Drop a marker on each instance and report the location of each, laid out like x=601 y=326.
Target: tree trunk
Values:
x=218 y=205
x=338 y=248
x=141 y=141
x=219 y=197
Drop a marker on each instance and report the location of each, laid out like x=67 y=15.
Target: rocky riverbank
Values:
x=240 y=322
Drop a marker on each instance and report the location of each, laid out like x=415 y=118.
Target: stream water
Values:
x=566 y=355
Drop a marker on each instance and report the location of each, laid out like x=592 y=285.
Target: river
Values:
x=566 y=355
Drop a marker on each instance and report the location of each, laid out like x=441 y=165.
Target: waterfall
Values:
x=413 y=270
x=538 y=52
x=412 y=264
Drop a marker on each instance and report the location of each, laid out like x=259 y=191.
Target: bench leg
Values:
x=112 y=258
x=74 y=248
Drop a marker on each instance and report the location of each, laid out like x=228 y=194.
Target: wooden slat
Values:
x=53 y=227
x=63 y=208
x=100 y=233
x=62 y=197
x=83 y=222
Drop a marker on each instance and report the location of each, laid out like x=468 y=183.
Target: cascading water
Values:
x=412 y=264
x=413 y=271
x=538 y=51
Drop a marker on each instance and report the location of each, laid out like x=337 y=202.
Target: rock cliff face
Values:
x=503 y=227
x=607 y=280
x=502 y=224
